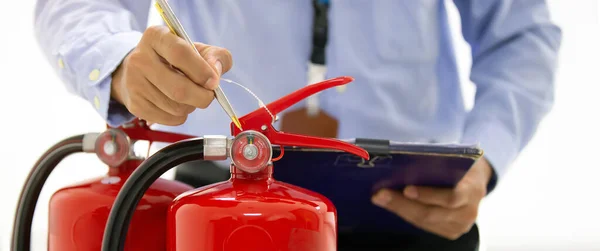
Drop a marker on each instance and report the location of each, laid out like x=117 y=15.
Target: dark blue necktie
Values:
x=319 y=31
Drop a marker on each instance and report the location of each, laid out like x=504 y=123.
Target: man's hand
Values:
x=449 y=213
x=163 y=79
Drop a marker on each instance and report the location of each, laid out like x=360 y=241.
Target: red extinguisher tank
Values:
x=78 y=213
x=251 y=211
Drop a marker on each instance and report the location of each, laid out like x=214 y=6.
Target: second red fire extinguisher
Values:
x=78 y=213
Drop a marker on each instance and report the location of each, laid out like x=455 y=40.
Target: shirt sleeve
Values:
x=514 y=47
x=85 y=41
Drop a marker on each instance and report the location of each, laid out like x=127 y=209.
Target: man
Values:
x=399 y=52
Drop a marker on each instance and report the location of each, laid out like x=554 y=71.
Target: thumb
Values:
x=217 y=57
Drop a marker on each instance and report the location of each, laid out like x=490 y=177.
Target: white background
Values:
x=549 y=201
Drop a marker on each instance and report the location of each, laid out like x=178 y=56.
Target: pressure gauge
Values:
x=113 y=147
x=251 y=151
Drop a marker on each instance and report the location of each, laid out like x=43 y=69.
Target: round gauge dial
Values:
x=251 y=151
x=112 y=147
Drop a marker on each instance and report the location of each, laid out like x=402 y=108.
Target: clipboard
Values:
x=349 y=181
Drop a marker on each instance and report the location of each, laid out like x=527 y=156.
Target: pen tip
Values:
x=237 y=123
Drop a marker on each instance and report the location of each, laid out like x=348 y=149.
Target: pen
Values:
x=176 y=28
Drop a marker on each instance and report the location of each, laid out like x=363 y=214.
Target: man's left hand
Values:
x=449 y=213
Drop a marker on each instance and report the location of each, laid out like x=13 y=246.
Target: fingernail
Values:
x=219 y=67
x=411 y=192
x=382 y=198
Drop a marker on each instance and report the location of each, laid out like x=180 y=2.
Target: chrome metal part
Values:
x=89 y=142
x=216 y=147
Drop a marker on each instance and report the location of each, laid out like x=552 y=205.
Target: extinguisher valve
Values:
x=113 y=147
x=251 y=151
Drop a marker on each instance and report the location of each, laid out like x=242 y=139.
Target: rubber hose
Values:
x=136 y=185
x=21 y=235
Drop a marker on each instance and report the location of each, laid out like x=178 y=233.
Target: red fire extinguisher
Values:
x=78 y=213
x=250 y=211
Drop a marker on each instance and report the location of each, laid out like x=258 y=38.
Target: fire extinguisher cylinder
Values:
x=251 y=211
x=77 y=213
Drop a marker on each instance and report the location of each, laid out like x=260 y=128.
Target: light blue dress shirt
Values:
x=400 y=53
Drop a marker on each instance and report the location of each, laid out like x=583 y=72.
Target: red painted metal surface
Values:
x=139 y=130
x=251 y=212
x=260 y=120
x=78 y=213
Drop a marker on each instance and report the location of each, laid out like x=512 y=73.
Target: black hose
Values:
x=21 y=235
x=136 y=185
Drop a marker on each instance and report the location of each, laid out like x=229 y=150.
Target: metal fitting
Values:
x=251 y=151
x=89 y=142
x=216 y=147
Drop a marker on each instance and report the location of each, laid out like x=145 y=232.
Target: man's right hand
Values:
x=148 y=84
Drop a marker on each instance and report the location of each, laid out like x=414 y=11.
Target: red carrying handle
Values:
x=138 y=129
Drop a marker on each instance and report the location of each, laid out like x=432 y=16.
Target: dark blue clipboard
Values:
x=349 y=181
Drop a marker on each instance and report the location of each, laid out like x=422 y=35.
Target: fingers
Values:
x=179 y=54
x=183 y=56
x=146 y=110
x=165 y=103
x=448 y=223
x=164 y=78
x=216 y=55
x=178 y=89
x=449 y=213
x=443 y=197
x=146 y=73
x=421 y=215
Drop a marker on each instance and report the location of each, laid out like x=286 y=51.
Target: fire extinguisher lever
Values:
x=288 y=139
x=138 y=129
x=261 y=120
x=285 y=102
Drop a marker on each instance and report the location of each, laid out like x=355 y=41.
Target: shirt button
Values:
x=61 y=64
x=94 y=75
x=97 y=102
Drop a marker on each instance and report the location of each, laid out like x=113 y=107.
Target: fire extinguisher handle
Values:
x=261 y=120
x=138 y=129
x=285 y=102
x=260 y=116
x=288 y=139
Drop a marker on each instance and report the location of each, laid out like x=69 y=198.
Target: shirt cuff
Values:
x=100 y=62
x=498 y=144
